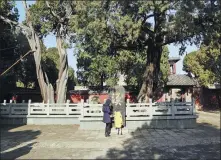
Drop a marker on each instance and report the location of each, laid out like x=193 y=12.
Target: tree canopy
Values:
x=119 y=28
x=205 y=64
x=112 y=37
x=8 y=47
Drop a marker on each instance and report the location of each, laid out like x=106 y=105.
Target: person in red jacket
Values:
x=14 y=98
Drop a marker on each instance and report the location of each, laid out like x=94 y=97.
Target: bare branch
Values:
x=144 y=28
x=69 y=11
x=6 y=20
x=25 y=5
x=52 y=12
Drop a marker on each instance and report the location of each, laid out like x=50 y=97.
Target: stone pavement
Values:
x=67 y=142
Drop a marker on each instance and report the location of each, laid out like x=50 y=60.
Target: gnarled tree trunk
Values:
x=63 y=71
x=150 y=77
x=46 y=88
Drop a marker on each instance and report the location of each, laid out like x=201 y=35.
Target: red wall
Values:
x=76 y=98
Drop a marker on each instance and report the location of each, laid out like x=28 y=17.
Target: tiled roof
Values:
x=174 y=58
x=180 y=80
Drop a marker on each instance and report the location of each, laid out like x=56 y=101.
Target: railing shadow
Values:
x=16 y=143
x=203 y=142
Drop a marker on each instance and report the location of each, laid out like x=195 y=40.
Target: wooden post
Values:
x=10 y=107
x=151 y=108
x=29 y=107
x=67 y=107
x=82 y=108
x=48 y=108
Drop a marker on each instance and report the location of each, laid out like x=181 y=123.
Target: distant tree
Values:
x=72 y=80
x=205 y=65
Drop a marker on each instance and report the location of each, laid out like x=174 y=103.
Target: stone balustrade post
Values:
x=67 y=107
x=29 y=107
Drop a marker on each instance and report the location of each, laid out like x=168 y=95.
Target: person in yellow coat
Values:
x=118 y=121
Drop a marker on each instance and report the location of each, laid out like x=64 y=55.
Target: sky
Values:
x=50 y=41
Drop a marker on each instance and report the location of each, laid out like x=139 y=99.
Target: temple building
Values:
x=179 y=87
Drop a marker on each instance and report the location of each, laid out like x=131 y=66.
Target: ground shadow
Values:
x=203 y=142
x=12 y=137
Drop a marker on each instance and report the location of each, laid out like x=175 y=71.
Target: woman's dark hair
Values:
x=107 y=103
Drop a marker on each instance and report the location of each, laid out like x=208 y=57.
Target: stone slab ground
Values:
x=68 y=142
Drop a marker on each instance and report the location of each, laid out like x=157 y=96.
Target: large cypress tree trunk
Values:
x=63 y=71
x=46 y=88
x=150 y=77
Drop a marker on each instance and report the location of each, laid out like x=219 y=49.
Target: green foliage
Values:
x=164 y=65
x=50 y=63
x=40 y=16
x=205 y=64
x=8 y=46
x=113 y=37
x=8 y=9
x=134 y=67
x=95 y=60
x=98 y=57
x=50 y=60
x=25 y=69
x=45 y=22
x=72 y=80
x=210 y=17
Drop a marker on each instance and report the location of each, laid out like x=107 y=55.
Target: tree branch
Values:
x=25 y=5
x=6 y=20
x=175 y=39
x=148 y=31
x=69 y=11
x=146 y=17
x=144 y=28
x=52 y=12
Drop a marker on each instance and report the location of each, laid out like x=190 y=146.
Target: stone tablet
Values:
x=117 y=95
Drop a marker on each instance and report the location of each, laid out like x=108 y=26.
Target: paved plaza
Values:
x=68 y=142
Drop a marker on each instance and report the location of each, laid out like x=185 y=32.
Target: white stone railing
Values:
x=164 y=110
x=82 y=110
x=40 y=109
